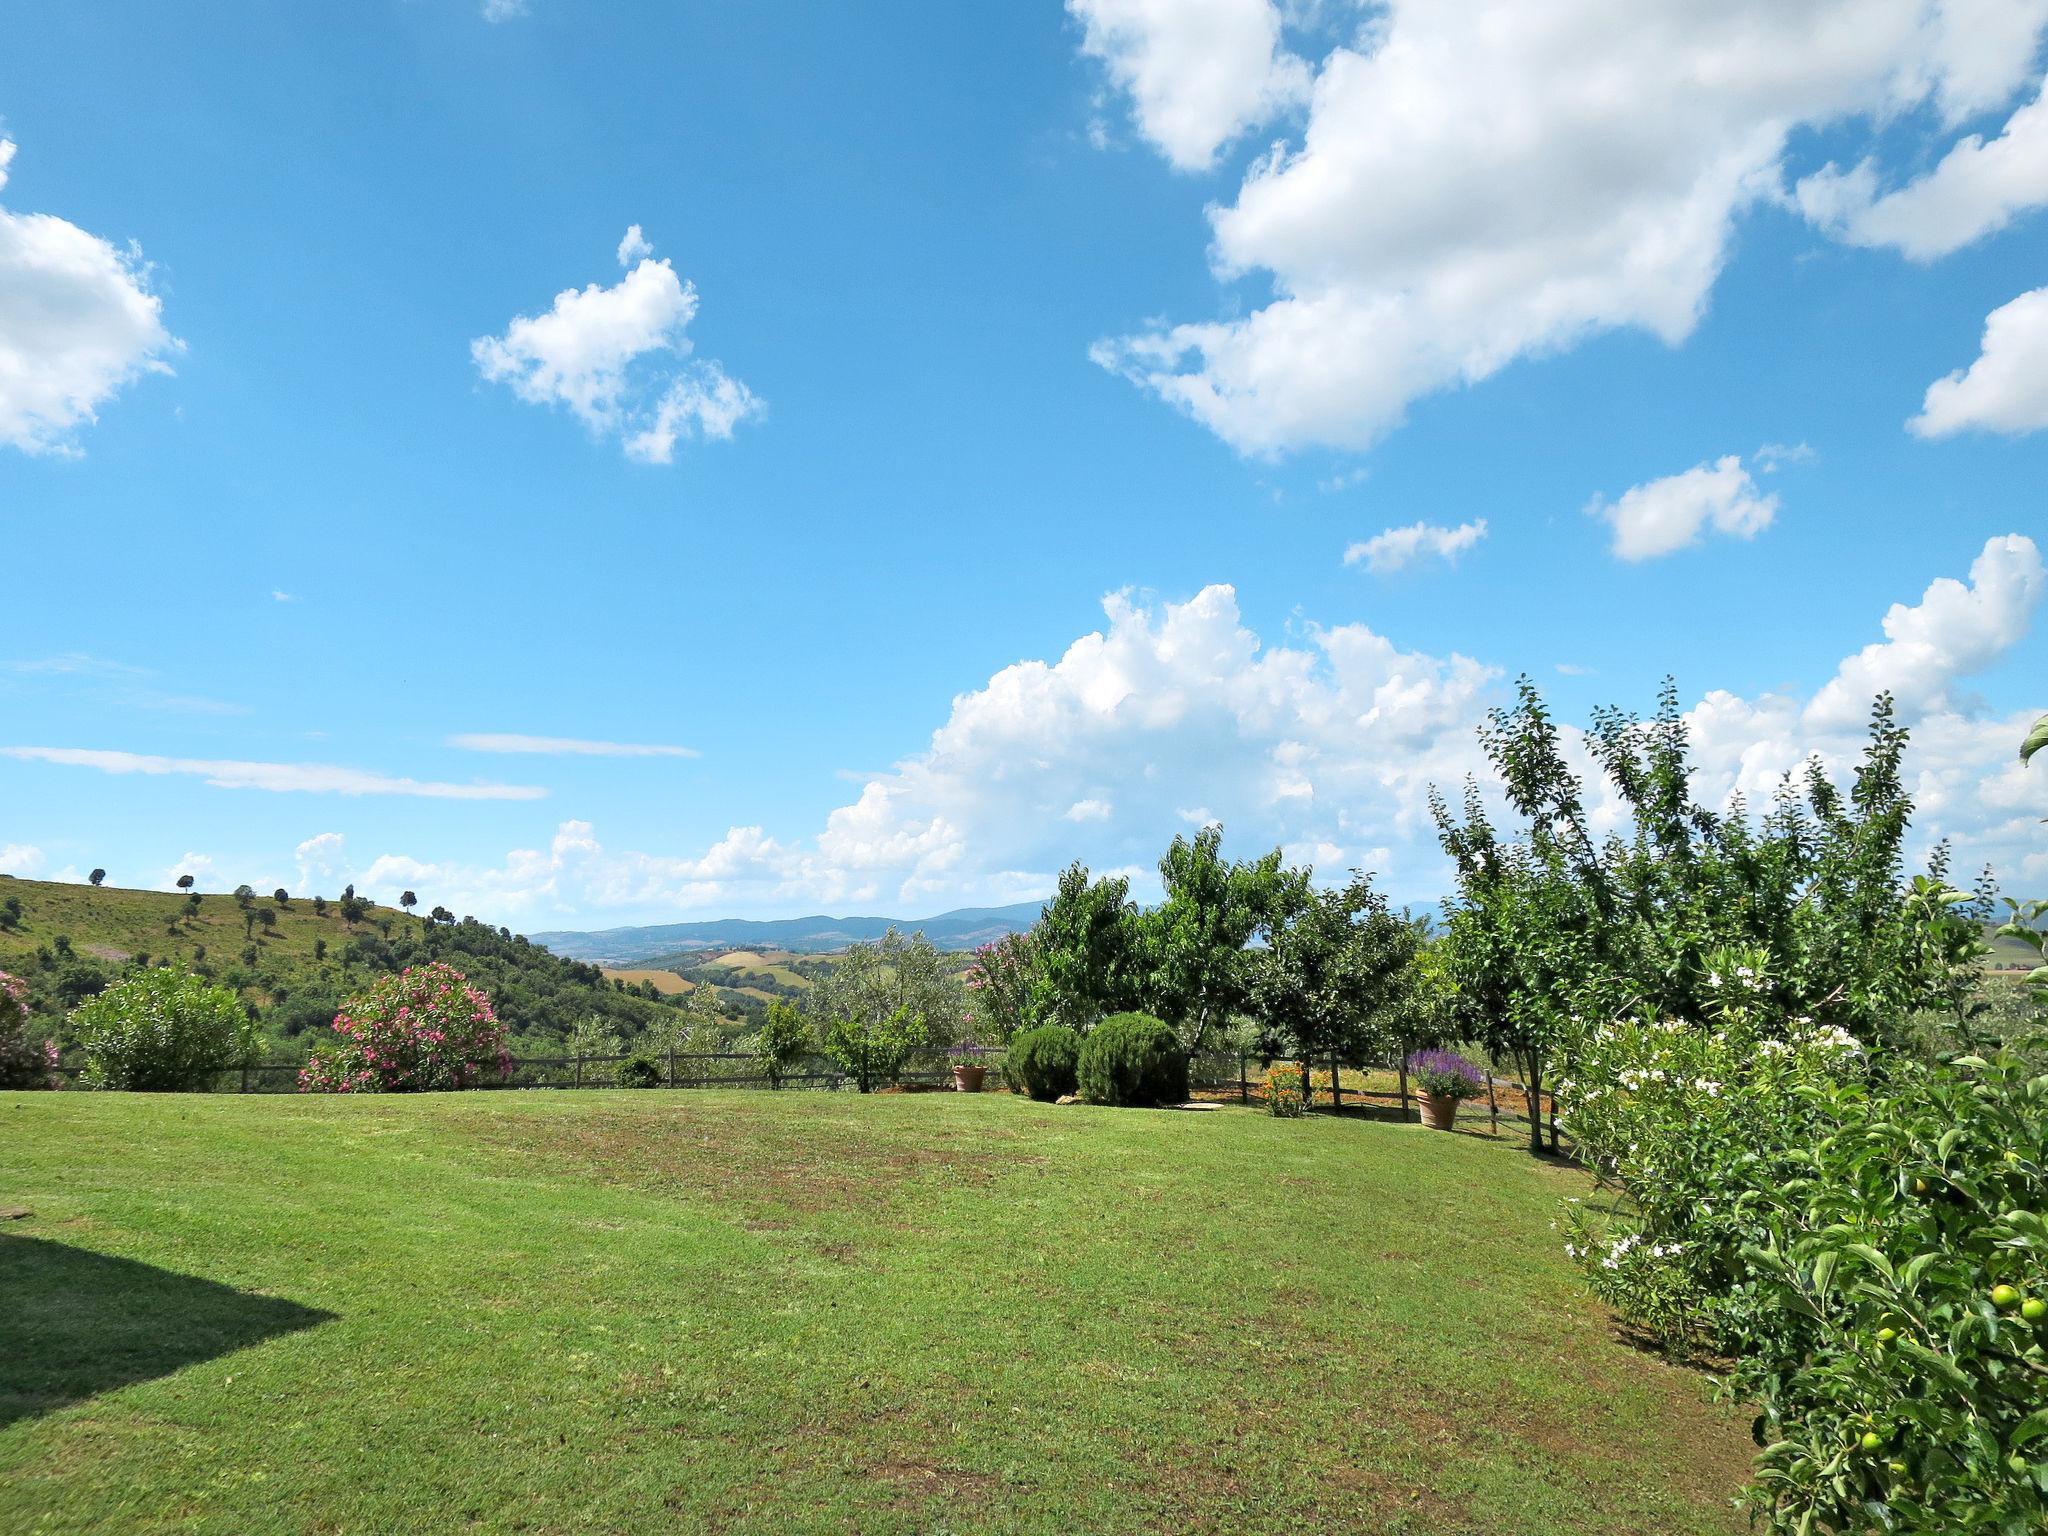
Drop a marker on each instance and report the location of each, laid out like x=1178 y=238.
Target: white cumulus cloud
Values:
x=1662 y=516
x=1477 y=184
x=1398 y=548
x=1980 y=186
x=1198 y=72
x=2006 y=388
x=77 y=324
x=618 y=358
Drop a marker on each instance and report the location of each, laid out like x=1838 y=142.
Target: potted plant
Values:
x=1442 y=1078
x=970 y=1066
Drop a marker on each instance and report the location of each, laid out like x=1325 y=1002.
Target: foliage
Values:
x=1334 y=982
x=784 y=1041
x=1894 y=1319
x=1563 y=926
x=594 y=1038
x=1132 y=1060
x=2037 y=738
x=1086 y=945
x=1445 y=1075
x=1287 y=1088
x=875 y=1050
x=160 y=1030
x=425 y=1029
x=25 y=1060
x=641 y=1071
x=1194 y=968
x=1003 y=981
x=882 y=1002
x=1041 y=1062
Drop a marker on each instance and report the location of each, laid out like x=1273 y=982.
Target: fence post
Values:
x=1244 y=1078
x=1336 y=1083
x=1492 y=1104
x=671 y=1063
x=579 y=1069
x=1404 y=1090
x=245 y=1074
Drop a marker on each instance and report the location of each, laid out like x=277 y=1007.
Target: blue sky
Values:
x=968 y=334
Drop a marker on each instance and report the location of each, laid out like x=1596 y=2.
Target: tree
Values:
x=281 y=896
x=1086 y=940
x=319 y=950
x=244 y=896
x=249 y=921
x=883 y=1001
x=319 y=906
x=1559 y=931
x=185 y=882
x=1193 y=962
x=268 y=918
x=10 y=913
x=407 y=901
x=441 y=915
x=97 y=877
x=784 y=1041
x=1336 y=982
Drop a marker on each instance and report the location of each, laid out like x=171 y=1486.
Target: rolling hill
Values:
x=68 y=941
x=963 y=928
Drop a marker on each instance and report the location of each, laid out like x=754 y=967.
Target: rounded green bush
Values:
x=640 y=1072
x=1042 y=1061
x=161 y=1030
x=1134 y=1061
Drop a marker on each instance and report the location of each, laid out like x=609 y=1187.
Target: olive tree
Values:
x=884 y=1001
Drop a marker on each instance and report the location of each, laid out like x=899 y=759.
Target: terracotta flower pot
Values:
x=966 y=1078
x=1439 y=1111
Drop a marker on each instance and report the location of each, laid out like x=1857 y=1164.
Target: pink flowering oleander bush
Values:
x=25 y=1061
x=425 y=1029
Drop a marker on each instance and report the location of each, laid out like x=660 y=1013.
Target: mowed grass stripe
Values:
x=731 y=1311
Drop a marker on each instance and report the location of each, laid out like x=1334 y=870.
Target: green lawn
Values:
x=705 y=1311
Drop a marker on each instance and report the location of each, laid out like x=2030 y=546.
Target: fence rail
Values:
x=678 y=1069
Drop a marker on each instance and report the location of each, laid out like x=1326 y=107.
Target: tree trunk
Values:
x=1336 y=1084
x=1402 y=1068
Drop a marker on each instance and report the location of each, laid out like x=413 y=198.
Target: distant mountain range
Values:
x=963 y=928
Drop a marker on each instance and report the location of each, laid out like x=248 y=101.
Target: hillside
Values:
x=68 y=941
x=960 y=929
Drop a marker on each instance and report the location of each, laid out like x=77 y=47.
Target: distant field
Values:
x=667 y=982
x=751 y=1312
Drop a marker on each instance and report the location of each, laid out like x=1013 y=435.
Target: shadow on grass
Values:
x=74 y=1324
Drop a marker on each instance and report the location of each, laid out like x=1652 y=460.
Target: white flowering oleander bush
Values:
x=1683 y=1118
x=26 y=1061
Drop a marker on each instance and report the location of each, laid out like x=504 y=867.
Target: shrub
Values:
x=641 y=1072
x=1042 y=1061
x=1894 y=1319
x=162 y=1030
x=1286 y=1090
x=424 y=1029
x=1132 y=1060
x=25 y=1061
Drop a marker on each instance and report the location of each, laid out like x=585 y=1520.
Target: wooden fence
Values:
x=678 y=1069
